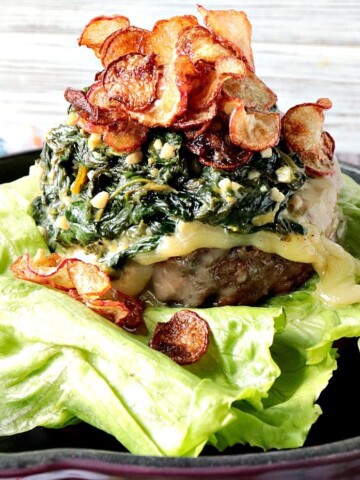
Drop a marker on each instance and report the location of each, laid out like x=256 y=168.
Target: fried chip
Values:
x=182 y=75
x=84 y=282
x=90 y=127
x=254 y=131
x=115 y=311
x=302 y=129
x=47 y=270
x=184 y=338
x=164 y=36
x=99 y=28
x=253 y=92
x=90 y=112
x=200 y=45
x=171 y=96
x=224 y=68
x=126 y=139
x=122 y=42
x=132 y=80
x=88 y=279
x=233 y=29
x=196 y=118
x=214 y=149
x=135 y=308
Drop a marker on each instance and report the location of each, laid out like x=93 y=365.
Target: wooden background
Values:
x=303 y=50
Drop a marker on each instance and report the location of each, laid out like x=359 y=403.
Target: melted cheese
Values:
x=336 y=268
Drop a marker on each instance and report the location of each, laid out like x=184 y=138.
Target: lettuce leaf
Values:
x=258 y=383
x=60 y=362
x=239 y=348
x=18 y=232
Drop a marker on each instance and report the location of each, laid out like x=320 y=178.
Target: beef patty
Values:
x=216 y=277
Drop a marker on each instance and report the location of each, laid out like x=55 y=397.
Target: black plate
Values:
x=332 y=450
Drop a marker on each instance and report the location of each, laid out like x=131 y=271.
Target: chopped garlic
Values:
x=284 y=174
x=42 y=230
x=167 y=151
x=62 y=223
x=253 y=175
x=230 y=199
x=235 y=186
x=100 y=200
x=224 y=184
x=36 y=171
x=276 y=195
x=158 y=144
x=94 y=141
x=71 y=119
x=134 y=158
x=267 y=153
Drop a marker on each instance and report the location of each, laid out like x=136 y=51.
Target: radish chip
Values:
x=84 y=282
x=232 y=28
x=254 y=131
x=122 y=42
x=302 y=128
x=99 y=28
x=132 y=80
x=164 y=36
x=184 y=338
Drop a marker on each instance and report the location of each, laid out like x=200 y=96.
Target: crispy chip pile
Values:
x=84 y=282
x=183 y=75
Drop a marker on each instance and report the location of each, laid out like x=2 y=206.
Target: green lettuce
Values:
x=258 y=383
x=18 y=232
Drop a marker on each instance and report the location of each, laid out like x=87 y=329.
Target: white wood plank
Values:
x=303 y=50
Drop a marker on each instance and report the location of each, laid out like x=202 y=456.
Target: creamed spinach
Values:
x=146 y=194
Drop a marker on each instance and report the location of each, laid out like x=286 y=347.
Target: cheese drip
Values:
x=337 y=269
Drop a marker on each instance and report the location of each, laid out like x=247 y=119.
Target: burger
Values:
x=219 y=233
x=177 y=174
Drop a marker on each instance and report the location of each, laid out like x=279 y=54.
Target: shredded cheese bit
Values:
x=295 y=204
x=264 y=218
x=100 y=200
x=235 y=186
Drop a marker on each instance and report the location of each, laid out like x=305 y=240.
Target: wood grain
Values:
x=303 y=50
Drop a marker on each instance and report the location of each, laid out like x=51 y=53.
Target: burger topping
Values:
x=144 y=194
